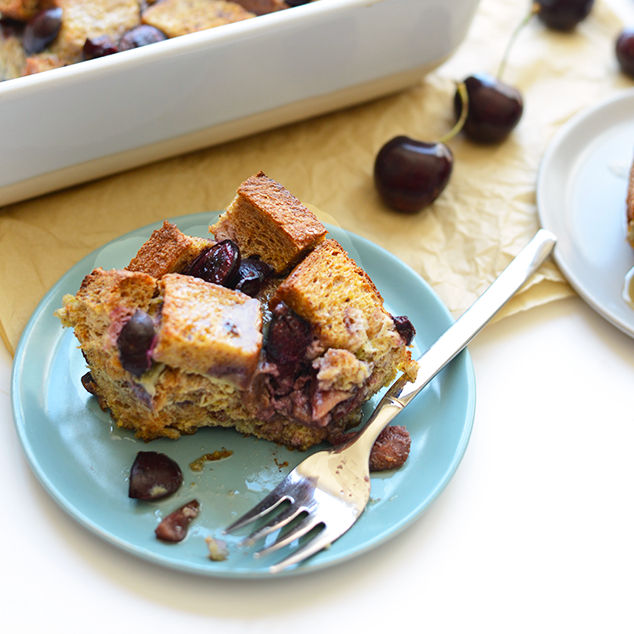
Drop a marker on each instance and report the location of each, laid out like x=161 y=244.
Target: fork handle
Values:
x=460 y=333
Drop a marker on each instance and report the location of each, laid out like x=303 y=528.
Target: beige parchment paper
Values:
x=459 y=245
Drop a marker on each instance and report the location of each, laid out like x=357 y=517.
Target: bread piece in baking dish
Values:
x=22 y=10
x=169 y=353
x=180 y=17
x=90 y=20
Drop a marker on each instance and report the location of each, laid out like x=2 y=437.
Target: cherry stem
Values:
x=464 y=97
x=535 y=7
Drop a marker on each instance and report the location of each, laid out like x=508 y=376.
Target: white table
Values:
x=533 y=534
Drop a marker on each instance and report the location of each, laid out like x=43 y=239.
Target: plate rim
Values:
x=554 y=146
x=84 y=520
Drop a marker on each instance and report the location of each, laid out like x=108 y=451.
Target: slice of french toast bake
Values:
x=269 y=328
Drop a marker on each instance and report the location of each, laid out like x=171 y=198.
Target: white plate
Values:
x=581 y=190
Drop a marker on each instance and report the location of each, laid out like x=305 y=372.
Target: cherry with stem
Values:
x=409 y=174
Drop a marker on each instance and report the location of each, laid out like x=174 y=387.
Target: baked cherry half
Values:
x=42 y=29
x=410 y=174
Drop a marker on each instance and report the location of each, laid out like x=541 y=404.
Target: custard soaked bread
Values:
x=230 y=332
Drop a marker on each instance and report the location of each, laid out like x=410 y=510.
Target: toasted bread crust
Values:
x=168 y=250
x=266 y=220
x=104 y=303
x=105 y=297
x=328 y=289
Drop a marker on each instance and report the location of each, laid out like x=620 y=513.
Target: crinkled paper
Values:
x=459 y=244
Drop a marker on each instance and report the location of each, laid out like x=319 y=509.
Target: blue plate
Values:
x=83 y=461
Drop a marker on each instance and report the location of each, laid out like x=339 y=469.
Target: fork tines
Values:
x=303 y=498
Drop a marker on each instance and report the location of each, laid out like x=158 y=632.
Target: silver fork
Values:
x=329 y=489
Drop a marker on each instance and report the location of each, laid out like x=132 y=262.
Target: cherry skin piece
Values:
x=251 y=275
x=563 y=15
x=99 y=46
x=409 y=175
x=174 y=527
x=625 y=51
x=495 y=108
x=218 y=264
x=141 y=35
x=154 y=476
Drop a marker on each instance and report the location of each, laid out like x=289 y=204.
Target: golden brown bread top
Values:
x=83 y=20
x=168 y=250
x=180 y=17
x=105 y=300
x=266 y=220
x=208 y=329
x=335 y=296
x=41 y=62
x=630 y=207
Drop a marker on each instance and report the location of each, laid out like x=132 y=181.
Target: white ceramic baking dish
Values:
x=73 y=124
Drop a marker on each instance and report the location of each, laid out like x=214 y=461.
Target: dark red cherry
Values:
x=42 y=29
x=625 y=51
x=218 y=264
x=251 y=276
x=405 y=328
x=409 y=175
x=154 y=476
x=288 y=336
x=141 y=35
x=98 y=47
x=563 y=15
x=495 y=108
x=135 y=342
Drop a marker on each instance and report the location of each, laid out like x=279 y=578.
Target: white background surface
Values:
x=535 y=533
